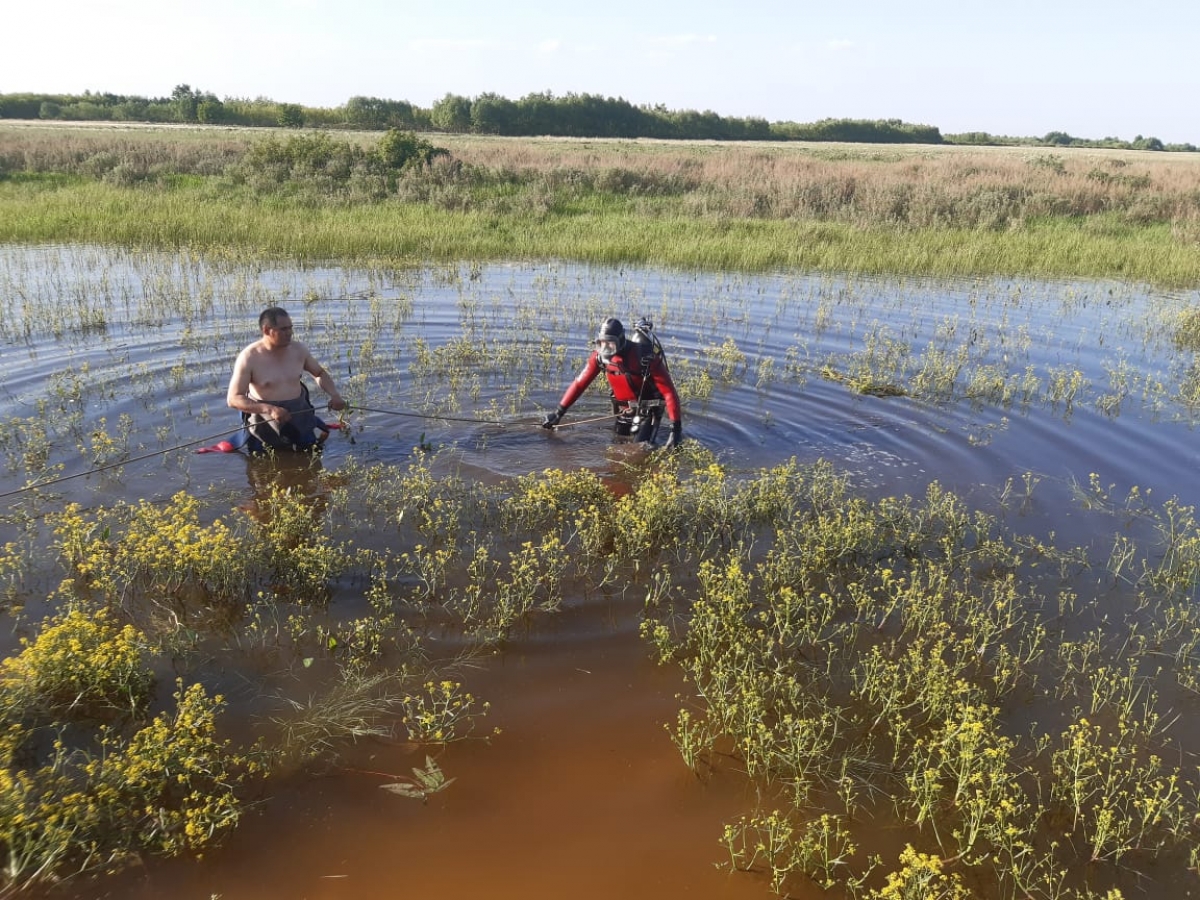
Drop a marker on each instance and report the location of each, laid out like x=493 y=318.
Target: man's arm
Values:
x=586 y=376
x=661 y=376
x=662 y=380
x=324 y=381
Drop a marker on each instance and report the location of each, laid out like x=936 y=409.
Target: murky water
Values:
x=583 y=792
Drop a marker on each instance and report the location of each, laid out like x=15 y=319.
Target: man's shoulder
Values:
x=260 y=348
x=248 y=351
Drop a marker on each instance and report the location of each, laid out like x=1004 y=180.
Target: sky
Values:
x=1020 y=68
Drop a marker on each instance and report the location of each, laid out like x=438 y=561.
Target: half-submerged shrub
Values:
x=169 y=788
x=80 y=661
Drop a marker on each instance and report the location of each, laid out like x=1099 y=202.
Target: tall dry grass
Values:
x=907 y=209
x=920 y=186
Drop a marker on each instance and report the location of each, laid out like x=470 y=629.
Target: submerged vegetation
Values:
x=914 y=665
x=1012 y=709
x=899 y=209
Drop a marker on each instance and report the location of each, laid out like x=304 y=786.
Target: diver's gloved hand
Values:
x=554 y=418
x=675 y=438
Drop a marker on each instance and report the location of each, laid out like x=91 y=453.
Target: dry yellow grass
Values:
x=946 y=209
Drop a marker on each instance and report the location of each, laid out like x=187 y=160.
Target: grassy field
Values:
x=945 y=211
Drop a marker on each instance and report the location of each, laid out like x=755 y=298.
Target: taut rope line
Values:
x=119 y=464
x=204 y=440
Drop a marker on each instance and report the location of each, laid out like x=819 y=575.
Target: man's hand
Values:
x=675 y=438
x=552 y=419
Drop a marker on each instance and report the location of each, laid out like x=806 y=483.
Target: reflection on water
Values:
x=113 y=357
x=296 y=473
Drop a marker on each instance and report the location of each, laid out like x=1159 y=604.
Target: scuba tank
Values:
x=649 y=346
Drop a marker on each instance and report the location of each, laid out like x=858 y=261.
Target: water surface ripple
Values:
x=971 y=384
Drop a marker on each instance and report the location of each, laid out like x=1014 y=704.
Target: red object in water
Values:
x=219 y=447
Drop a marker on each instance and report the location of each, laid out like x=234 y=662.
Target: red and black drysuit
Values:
x=638 y=396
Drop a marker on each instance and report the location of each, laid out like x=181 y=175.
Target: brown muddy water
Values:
x=582 y=792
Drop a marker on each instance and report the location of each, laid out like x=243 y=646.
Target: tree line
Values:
x=568 y=115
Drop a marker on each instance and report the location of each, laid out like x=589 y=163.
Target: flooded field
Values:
x=1047 y=405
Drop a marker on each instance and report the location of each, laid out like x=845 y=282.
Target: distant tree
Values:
x=972 y=137
x=161 y=111
x=256 y=113
x=401 y=114
x=21 y=106
x=49 y=110
x=211 y=112
x=537 y=113
x=87 y=111
x=757 y=129
x=132 y=109
x=323 y=117
x=451 y=113
x=291 y=115
x=186 y=101
x=1150 y=143
x=1058 y=139
x=890 y=131
x=493 y=114
x=366 y=112
x=373 y=112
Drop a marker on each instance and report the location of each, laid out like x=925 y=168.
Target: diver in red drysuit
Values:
x=640 y=382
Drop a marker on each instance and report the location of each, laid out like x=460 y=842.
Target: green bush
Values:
x=399 y=149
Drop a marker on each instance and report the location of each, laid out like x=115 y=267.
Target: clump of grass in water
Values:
x=165 y=786
x=861 y=667
x=854 y=659
x=1187 y=331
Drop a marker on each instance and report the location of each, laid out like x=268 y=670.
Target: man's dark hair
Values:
x=270 y=316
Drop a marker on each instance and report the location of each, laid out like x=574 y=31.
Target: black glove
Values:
x=675 y=438
x=554 y=418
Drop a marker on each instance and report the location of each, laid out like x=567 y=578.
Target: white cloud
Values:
x=550 y=45
x=838 y=44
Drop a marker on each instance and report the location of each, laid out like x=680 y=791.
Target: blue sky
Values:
x=1022 y=67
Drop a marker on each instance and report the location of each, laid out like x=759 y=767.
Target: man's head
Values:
x=276 y=325
x=610 y=339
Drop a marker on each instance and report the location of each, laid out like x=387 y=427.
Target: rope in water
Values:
x=116 y=465
x=204 y=440
x=474 y=421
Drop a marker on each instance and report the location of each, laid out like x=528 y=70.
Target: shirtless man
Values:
x=266 y=385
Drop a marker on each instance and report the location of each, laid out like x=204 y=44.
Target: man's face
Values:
x=279 y=334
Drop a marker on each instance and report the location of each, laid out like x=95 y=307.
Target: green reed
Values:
x=595 y=229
